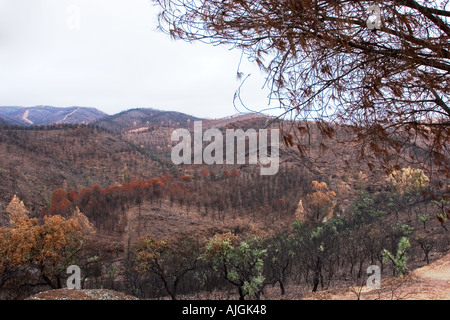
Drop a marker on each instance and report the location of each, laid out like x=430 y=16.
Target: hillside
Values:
x=47 y=115
x=5 y=120
x=117 y=173
x=40 y=161
x=82 y=156
x=238 y=118
x=145 y=119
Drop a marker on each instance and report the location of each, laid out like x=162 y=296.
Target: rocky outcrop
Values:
x=85 y=294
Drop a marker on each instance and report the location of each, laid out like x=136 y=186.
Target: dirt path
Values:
x=431 y=282
x=25 y=117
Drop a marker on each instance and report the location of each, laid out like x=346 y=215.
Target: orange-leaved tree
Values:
x=44 y=249
x=320 y=204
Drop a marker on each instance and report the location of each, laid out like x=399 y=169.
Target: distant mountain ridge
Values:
x=134 y=119
x=48 y=115
x=5 y=120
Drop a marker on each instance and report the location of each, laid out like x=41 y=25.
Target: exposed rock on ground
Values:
x=86 y=294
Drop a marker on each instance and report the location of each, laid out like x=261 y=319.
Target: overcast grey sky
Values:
x=107 y=54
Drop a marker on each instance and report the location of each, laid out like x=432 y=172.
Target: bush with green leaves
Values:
x=423 y=218
x=239 y=262
x=280 y=256
x=363 y=209
x=317 y=248
x=400 y=258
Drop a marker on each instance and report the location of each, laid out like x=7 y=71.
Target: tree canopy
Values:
x=389 y=85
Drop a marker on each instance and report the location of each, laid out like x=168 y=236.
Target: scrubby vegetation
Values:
x=308 y=236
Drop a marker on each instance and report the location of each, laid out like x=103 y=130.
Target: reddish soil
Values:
x=431 y=282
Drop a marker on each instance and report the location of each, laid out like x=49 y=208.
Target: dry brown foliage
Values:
x=389 y=86
x=48 y=247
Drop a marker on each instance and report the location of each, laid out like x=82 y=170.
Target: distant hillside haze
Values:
x=135 y=119
x=48 y=115
x=5 y=120
x=131 y=120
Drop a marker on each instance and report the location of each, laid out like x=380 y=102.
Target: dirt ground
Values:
x=431 y=282
x=87 y=294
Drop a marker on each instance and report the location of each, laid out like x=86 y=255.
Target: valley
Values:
x=155 y=230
